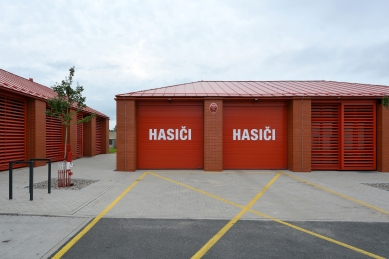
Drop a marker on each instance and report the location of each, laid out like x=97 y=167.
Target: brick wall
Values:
x=36 y=130
x=105 y=136
x=126 y=137
x=382 y=139
x=72 y=137
x=90 y=138
x=213 y=137
x=299 y=135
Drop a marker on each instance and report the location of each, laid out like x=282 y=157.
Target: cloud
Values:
x=124 y=46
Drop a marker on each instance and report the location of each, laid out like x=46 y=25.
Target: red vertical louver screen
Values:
x=80 y=137
x=54 y=139
x=98 y=135
x=12 y=130
x=325 y=136
x=359 y=138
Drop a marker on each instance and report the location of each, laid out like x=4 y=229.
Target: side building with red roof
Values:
x=219 y=125
x=26 y=132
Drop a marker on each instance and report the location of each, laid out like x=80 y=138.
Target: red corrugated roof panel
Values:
x=19 y=84
x=264 y=89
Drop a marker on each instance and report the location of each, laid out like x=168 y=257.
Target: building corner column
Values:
x=126 y=135
x=213 y=135
x=90 y=138
x=299 y=135
x=382 y=139
x=36 y=130
x=73 y=135
x=105 y=136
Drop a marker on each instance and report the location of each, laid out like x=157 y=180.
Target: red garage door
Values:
x=12 y=130
x=170 y=135
x=254 y=135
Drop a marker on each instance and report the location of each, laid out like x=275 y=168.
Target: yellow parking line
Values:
x=338 y=194
x=317 y=235
x=274 y=219
x=212 y=172
x=95 y=220
x=229 y=225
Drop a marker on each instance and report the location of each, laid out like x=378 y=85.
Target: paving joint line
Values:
x=94 y=198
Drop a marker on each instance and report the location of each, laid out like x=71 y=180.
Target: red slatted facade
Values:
x=98 y=136
x=325 y=136
x=12 y=130
x=359 y=134
x=80 y=137
x=343 y=136
x=54 y=139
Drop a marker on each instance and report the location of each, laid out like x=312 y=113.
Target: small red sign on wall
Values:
x=213 y=108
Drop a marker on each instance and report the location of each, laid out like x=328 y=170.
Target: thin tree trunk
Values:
x=66 y=135
x=66 y=141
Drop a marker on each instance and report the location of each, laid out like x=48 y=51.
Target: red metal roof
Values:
x=29 y=88
x=264 y=89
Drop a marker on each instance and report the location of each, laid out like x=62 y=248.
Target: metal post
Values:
x=10 y=180
x=48 y=171
x=49 y=177
x=31 y=181
x=31 y=177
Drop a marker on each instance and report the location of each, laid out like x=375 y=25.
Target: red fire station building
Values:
x=26 y=132
x=216 y=125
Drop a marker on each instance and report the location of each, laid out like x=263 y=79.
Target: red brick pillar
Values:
x=36 y=130
x=299 y=135
x=90 y=138
x=105 y=136
x=382 y=139
x=72 y=138
x=213 y=136
x=126 y=135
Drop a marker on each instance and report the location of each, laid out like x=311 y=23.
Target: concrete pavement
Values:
x=36 y=229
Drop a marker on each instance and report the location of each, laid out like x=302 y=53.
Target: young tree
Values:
x=67 y=99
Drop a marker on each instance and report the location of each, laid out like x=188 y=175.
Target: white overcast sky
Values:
x=125 y=46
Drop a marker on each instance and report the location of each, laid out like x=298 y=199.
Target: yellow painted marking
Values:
x=274 y=219
x=339 y=194
x=211 y=172
x=95 y=220
x=318 y=235
x=229 y=225
x=198 y=190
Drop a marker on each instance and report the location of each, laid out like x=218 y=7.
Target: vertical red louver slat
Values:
x=54 y=139
x=325 y=136
x=98 y=135
x=12 y=131
x=359 y=138
x=80 y=137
